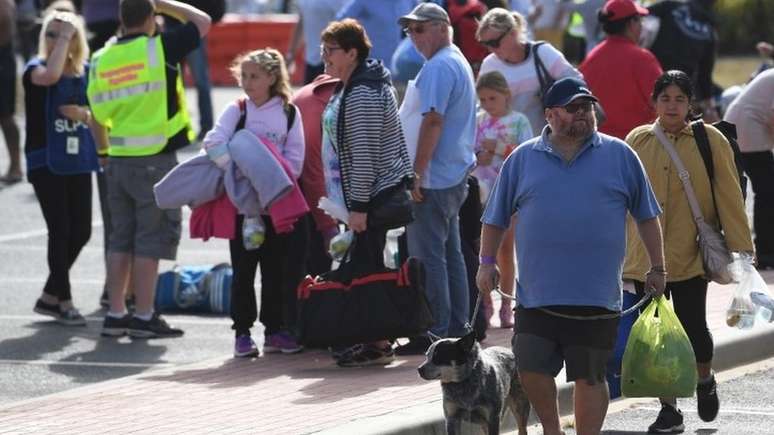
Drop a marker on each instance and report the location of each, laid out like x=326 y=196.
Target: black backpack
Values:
x=702 y=141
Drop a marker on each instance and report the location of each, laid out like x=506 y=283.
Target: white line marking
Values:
x=174 y=319
x=41 y=362
x=36 y=233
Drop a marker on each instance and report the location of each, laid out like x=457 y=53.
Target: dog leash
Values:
x=626 y=312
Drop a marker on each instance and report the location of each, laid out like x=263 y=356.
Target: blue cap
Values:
x=565 y=90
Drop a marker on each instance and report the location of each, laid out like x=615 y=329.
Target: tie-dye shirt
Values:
x=509 y=131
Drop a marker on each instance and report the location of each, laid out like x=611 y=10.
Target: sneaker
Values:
x=47 y=309
x=71 y=317
x=340 y=352
x=368 y=355
x=245 y=347
x=707 y=399
x=116 y=326
x=156 y=327
x=670 y=420
x=416 y=346
x=281 y=342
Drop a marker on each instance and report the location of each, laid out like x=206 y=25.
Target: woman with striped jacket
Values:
x=364 y=152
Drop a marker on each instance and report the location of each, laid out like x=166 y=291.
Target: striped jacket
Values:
x=369 y=140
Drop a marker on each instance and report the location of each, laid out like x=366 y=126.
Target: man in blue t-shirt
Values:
x=570 y=190
x=444 y=158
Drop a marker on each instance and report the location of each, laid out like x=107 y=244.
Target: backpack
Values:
x=702 y=141
x=464 y=16
x=290 y=114
x=195 y=289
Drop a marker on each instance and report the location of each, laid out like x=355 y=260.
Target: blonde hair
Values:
x=502 y=20
x=271 y=61
x=495 y=81
x=78 y=50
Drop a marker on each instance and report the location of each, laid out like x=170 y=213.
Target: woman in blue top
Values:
x=61 y=154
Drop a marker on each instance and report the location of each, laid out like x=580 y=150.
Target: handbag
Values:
x=339 y=308
x=391 y=208
x=712 y=245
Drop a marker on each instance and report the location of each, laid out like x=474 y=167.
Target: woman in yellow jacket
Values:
x=686 y=282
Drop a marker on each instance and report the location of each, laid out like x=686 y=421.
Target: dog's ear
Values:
x=466 y=343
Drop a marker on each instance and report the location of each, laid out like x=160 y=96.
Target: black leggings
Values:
x=283 y=265
x=66 y=204
x=689 y=298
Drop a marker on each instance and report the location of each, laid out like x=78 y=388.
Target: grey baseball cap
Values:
x=425 y=12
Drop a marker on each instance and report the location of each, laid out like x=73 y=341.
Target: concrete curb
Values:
x=736 y=349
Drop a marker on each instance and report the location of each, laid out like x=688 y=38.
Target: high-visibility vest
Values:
x=128 y=95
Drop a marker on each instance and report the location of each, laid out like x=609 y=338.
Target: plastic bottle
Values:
x=253 y=232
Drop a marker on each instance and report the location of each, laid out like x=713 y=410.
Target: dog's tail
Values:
x=519 y=405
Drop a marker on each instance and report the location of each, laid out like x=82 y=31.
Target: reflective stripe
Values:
x=129 y=91
x=137 y=141
x=153 y=54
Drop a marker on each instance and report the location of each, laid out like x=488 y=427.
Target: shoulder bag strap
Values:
x=685 y=177
x=544 y=77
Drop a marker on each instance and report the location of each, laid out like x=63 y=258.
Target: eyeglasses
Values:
x=326 y=51
x=419 y=28
x=495 y=43
x=574 y=107
x=51 y=34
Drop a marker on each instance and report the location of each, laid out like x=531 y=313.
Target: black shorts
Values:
x=7 y=81
x=544 y=342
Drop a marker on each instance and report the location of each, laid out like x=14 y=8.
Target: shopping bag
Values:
x=339 y=309
x=658 y=360
x=749 y=304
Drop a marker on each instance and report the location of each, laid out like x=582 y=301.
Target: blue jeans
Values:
x=434 y=238
x=197 y=62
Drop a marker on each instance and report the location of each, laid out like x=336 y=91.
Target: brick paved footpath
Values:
x=273 y=394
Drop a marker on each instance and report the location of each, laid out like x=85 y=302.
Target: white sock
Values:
x=116 y=315
x=707 y=380
x=146 y=317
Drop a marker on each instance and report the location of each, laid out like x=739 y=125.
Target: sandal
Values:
x=367 y=355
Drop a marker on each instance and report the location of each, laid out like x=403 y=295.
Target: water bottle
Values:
x=253 y=232
x=765 y=305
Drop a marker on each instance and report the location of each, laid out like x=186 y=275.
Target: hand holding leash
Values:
x=487 y=278
x=655 y=281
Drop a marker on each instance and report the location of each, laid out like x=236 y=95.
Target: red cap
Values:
x=620 y=9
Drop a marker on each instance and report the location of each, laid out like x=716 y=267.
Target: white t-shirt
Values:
x=753 y=114
x=523 y=81
x=316 y=16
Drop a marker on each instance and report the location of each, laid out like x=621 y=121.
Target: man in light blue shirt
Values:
x=378 y=17
x=570 y=190
x=444 y=158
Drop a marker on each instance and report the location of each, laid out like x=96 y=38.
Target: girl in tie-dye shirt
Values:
x=500 y=130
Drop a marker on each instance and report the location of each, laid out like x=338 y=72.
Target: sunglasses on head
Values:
x=494 y=43
x=583 y=105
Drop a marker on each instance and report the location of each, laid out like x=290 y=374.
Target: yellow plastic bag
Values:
x=658 y=360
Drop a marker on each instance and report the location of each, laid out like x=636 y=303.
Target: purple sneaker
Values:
x=281 y=342
x=245 y=347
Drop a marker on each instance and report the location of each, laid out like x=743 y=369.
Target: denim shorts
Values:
x=544 y=343
x=138 y=225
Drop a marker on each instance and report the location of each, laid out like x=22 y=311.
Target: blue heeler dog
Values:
x=478 y=384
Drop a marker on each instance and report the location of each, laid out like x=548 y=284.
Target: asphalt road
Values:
x=39 y=356
x=746 y=407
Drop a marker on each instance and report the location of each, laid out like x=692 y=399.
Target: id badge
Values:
x=73 y=143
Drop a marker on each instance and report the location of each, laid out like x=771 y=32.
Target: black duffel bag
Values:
x=338 y=309
x=391 y=208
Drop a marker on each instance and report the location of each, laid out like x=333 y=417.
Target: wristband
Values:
x=102 y=153
x=486 y=259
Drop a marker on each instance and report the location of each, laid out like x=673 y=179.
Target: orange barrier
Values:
x=236 y=34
